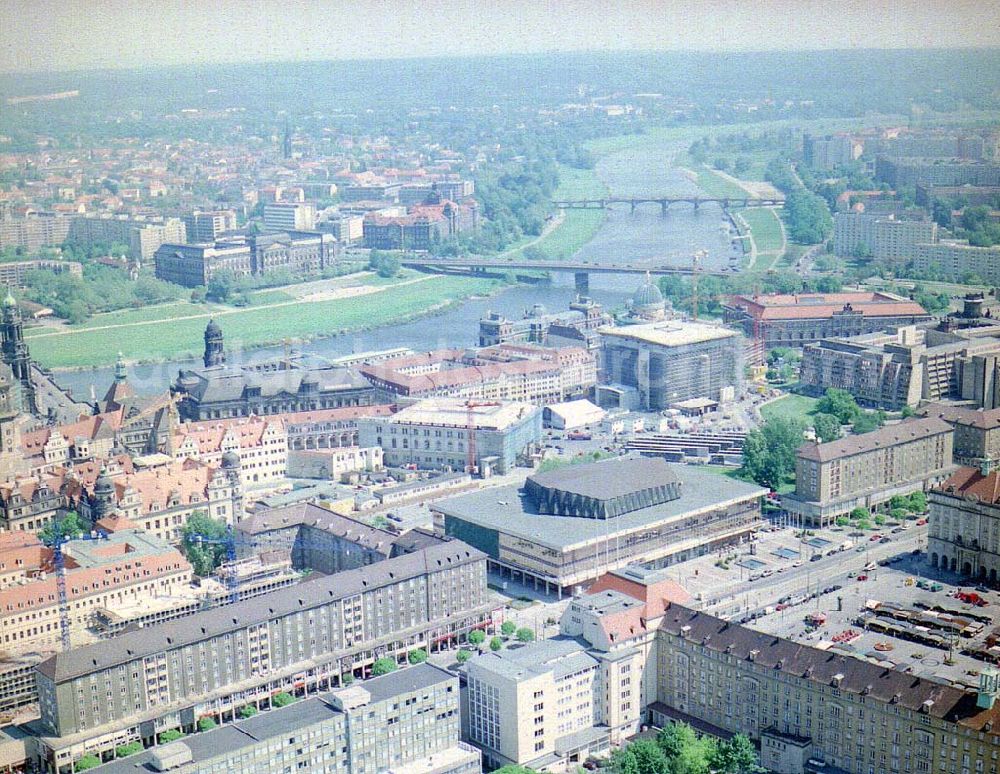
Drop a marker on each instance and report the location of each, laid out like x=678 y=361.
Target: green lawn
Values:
x=765 y=227
x=255 y=325
x=168 y=311
x=579 y=184
x=790 y=406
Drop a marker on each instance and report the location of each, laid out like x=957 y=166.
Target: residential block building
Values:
x=261 y=443
x=402 y=722
x=299 y=639
x=833 y=478
x=977 y=433
x=206 y=226
x=143 y=237
x=958 y=261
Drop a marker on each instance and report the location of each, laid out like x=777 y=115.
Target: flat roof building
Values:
x=568 y=526
x=670 y=361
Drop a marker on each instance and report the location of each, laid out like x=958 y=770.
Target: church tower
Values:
x=215 y=354
x=15 y=352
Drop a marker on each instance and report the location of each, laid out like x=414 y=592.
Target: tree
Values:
x=640 y=757
x=125 y=750
x=282 y=699
x=907 y=412
x=827 y=427
x=769 y=452
x=918 y=502
x=686 y=752
x=898 y=514
x=417 y=656
x=70 y=526
x=206 y=724
x=507 y=628
x=205 y=557
x=477 y=637
x=512 y=769
x=383 y=666
x=496 y=644
x=524 y=634
x=868 y=421
x=172 y=735
x=840 y=404
x=247 y=712
x=879 y=519
x=463 y=655
x=88 y=761
x=843 y=521
x=736 y=756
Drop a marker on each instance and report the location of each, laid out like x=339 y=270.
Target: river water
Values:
x=624 y=237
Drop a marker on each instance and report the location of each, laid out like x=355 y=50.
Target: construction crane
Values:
x=695 y=269
x=56 y=542
x=470 y=430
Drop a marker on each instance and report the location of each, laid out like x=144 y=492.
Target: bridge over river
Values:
x=666 y=201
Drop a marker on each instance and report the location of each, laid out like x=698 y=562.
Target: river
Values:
x=643 y=236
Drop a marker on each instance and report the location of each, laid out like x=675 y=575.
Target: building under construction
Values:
x=655 y=365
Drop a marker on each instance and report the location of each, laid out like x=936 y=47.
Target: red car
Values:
x=862 y=577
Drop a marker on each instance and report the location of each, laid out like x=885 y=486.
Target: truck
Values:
x=846 y=545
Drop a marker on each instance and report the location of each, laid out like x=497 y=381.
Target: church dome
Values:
x=9 y=301
x=647 y=295
x=213 y=329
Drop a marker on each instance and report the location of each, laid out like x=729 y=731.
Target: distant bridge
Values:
x=580 y=270
x=666 y=201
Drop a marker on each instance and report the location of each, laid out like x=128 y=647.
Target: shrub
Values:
x=347 y=678
x=462 y=656
x=507 y=628
x=87 y=762
x=524 y=634
x=170 y=736
x=125 y=750
x=206 y=724
x=383 y=666
x=496 y=644
x=247 y=712
x=859 y=513
x=477 y=637
x=282 y=699
x=418 y=656
x=879 y=519
x=843 y=521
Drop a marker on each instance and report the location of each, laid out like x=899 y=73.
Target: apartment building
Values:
x=831 y=479
x=261 y=443
x=290 y=216
x=35 y=231
x=814 y=710
x=977 y=433
x=435 y=434
x=143 y=237
x=15 y=274
x=115 y=571
x=402 y=722
x=958 y=261
x=906 y=171
x=300 y=639
x=206 y=226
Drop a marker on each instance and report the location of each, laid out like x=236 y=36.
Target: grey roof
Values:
x=202 y=626
x=278 y=722
x=560 y=656
x=507 y=509
x=802 y=661
x=225 y=383
x=609 y=478
x=888 y=436
x=310 y=515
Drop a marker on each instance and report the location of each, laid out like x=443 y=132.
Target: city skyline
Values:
x=54 y=36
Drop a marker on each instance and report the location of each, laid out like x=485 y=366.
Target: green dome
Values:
x=9 y=301
x=647 y=295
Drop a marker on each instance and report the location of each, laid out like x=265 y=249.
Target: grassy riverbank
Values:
x=176 y=330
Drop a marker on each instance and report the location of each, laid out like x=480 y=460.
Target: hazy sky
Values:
x=45 y=35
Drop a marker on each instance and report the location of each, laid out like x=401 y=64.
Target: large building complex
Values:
x=862 y=471
x=654 y=365
x=143 y=237
x=781 y=320
x=977 y=433
x=907 y=171
x=880 y=236
x=207 y=226
x=302 y=253
x=568 y=526
x=583 y=315
x=35 y=231
x=895 y=369
x=15 y=274
x=448 y=434
x=261 y=443
x=964 y=532
x=958 y=261
x=300 y=639
x=406 y=722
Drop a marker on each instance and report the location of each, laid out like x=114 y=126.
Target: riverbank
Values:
x=179 y=336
